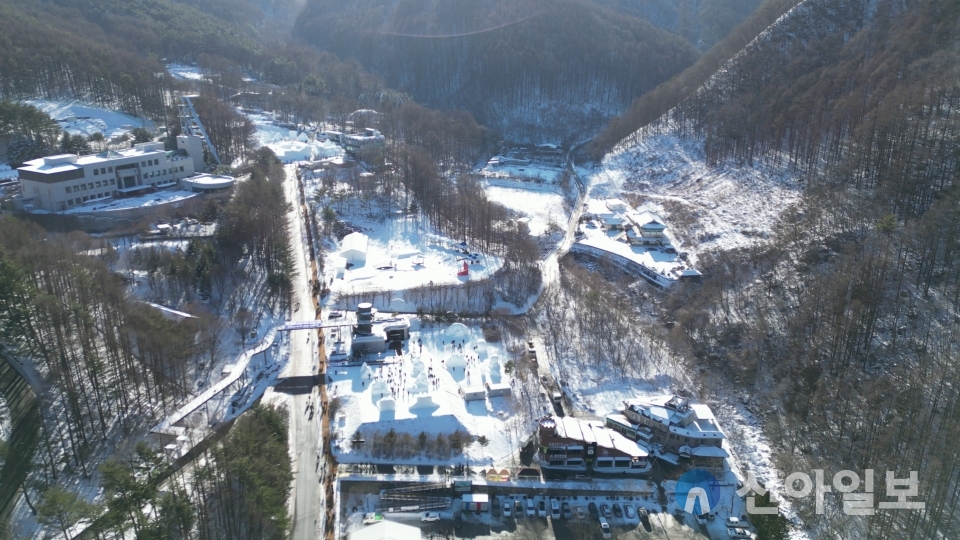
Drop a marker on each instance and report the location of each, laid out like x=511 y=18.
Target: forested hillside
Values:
x=702 y=22
x=272 y=19
x=112 y=53
x=555 y=70
x=844 y=328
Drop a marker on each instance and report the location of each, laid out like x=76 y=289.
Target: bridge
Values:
x=312 y=325
x=239 y=369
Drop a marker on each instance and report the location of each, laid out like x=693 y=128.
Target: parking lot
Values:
x=576 y=522
x=577 y=519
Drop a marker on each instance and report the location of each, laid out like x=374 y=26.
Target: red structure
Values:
x=465 y=271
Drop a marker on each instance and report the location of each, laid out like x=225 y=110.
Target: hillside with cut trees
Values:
x=530 y=70
x=844 y=327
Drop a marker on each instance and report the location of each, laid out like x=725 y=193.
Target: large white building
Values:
x=354 y=142
x=354 y=248
x=674 y=425
x=57 y=183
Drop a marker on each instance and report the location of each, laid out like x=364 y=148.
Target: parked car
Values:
x=617 y=511
x=542 y=508
x=702 y=519
x=581 y=513
x=605 y=528
x=605 y=510
x=508 y=509
x=733 y=522
x=554 y=509
x=581 y=477
x=531 y=511
x=593 y=510
x=372 y=517
x=738 y=532
x=495 y=507
x=629 y=511
x=567 y=514
x=518 y=508
x=427 y=517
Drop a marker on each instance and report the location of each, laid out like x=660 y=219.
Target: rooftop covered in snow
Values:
x=678 y=415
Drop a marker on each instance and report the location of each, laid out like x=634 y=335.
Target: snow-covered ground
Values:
x=652 y=257
x=423 y=388
x=708 y=209
x=7 y=172
x=142 y=201
x=395 y=247
x=185 y=72
x=535 y=172
x=77 y=118
x=715 y=208
x=541 y=205
x=289 y=145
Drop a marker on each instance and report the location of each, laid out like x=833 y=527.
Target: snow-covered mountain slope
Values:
x=707 y=207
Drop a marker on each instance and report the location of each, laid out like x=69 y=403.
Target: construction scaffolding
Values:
x=416 y=498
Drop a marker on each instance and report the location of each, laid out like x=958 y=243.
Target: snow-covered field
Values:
x=185 y=72
x=541 y=205
x=77 y=118
x=715 y=208
x=289 y=145
x=535 y=172
x=395 y=247
x=419 y=392
x=650 y=257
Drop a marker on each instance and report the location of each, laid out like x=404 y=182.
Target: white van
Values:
x=554 y=509
x=605 y=528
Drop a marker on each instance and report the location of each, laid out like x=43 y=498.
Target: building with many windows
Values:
x=370 y=138
x=673 y=425
x=57 y=183
x=573 y=445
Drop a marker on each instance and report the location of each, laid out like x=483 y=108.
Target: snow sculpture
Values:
x=414 y=324
x=457 y=331
x=420 y=384
x=388 y=404
x=366 y=373
x=399 y=304
x=456 y=361
x=380 y=389
x=424 y=402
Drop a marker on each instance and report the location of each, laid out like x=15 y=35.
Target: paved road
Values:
x=304 y=401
